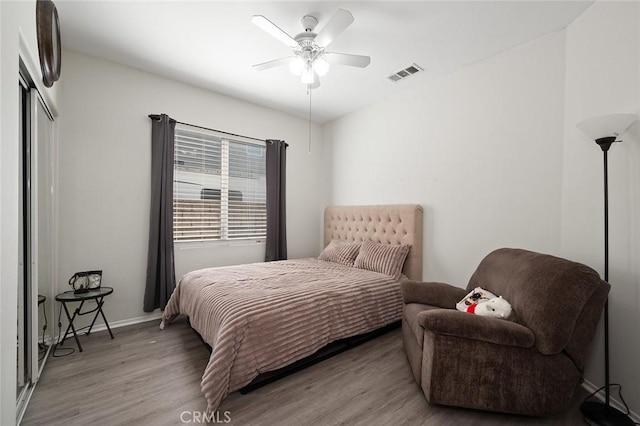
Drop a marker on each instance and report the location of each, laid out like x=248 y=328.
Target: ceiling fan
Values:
x=310 y=60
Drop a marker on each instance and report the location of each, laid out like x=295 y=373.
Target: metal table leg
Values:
x=105 y=320
x=70 y=318
x=100 y=302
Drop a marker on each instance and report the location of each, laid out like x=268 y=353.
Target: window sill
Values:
x=186 y=245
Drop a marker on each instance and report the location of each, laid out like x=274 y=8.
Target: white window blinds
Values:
x=219 y=189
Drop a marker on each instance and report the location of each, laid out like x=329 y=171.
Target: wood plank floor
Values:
x=151 y=377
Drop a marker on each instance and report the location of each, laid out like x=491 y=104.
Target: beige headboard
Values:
x=390 y=224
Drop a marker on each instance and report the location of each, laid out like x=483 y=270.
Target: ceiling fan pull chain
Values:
x=309 y=93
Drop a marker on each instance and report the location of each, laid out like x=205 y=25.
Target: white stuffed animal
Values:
x=484 y=303
x=475 y=296
x=495 y=308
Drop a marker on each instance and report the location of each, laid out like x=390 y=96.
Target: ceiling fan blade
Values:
x=337 y=24
x=347 y=59
x=269 y=27
x=272 y=64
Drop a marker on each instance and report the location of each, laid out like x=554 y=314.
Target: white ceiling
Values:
x=213 y=44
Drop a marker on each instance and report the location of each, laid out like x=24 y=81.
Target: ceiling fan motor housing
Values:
x=306 y=38
x=309 y=23
x=309 y=49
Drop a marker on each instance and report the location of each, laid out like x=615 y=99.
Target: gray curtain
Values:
x=276 y=200
x=161 y=277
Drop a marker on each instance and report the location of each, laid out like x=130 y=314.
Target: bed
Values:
x=264 y=316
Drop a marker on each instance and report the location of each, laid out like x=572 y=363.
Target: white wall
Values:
x=603 y=77
x=493 y=154
x=16 y=19
x=480 y=149
x=104 y=174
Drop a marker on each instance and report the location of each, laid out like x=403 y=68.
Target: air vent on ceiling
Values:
x=404 y=73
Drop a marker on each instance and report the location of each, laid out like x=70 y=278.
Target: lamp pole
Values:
x=597 y=412
x=605 y=144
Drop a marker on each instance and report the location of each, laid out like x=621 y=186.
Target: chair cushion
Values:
x=410 y=316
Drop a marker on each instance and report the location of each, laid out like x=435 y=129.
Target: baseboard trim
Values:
x=100 y=326
x=23 y=407
x=590 y=387
x=131 y=321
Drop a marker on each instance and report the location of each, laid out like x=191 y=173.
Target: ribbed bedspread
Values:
x=264 y=316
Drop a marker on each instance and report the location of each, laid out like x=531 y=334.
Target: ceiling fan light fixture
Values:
x=321 y=66
x=308 y=76
x=296 y=66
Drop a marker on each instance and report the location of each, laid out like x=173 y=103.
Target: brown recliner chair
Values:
x=530 y=366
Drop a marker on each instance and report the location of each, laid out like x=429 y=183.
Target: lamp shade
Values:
x=321 y=66
x=308 y=76
x=607 y=125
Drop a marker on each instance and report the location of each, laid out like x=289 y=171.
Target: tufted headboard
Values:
x=387 y=224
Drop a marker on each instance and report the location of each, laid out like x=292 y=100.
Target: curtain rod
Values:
x=156 y=116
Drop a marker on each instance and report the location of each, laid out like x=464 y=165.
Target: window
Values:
x=219 y=188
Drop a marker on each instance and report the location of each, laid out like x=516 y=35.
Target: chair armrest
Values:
x=434 y=294
x=469 y=326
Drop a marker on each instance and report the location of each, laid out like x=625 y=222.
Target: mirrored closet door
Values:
x=37 y=239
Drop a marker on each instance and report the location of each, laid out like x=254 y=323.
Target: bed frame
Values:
x=387 y=224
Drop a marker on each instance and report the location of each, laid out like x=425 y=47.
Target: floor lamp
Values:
x=604 y=130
